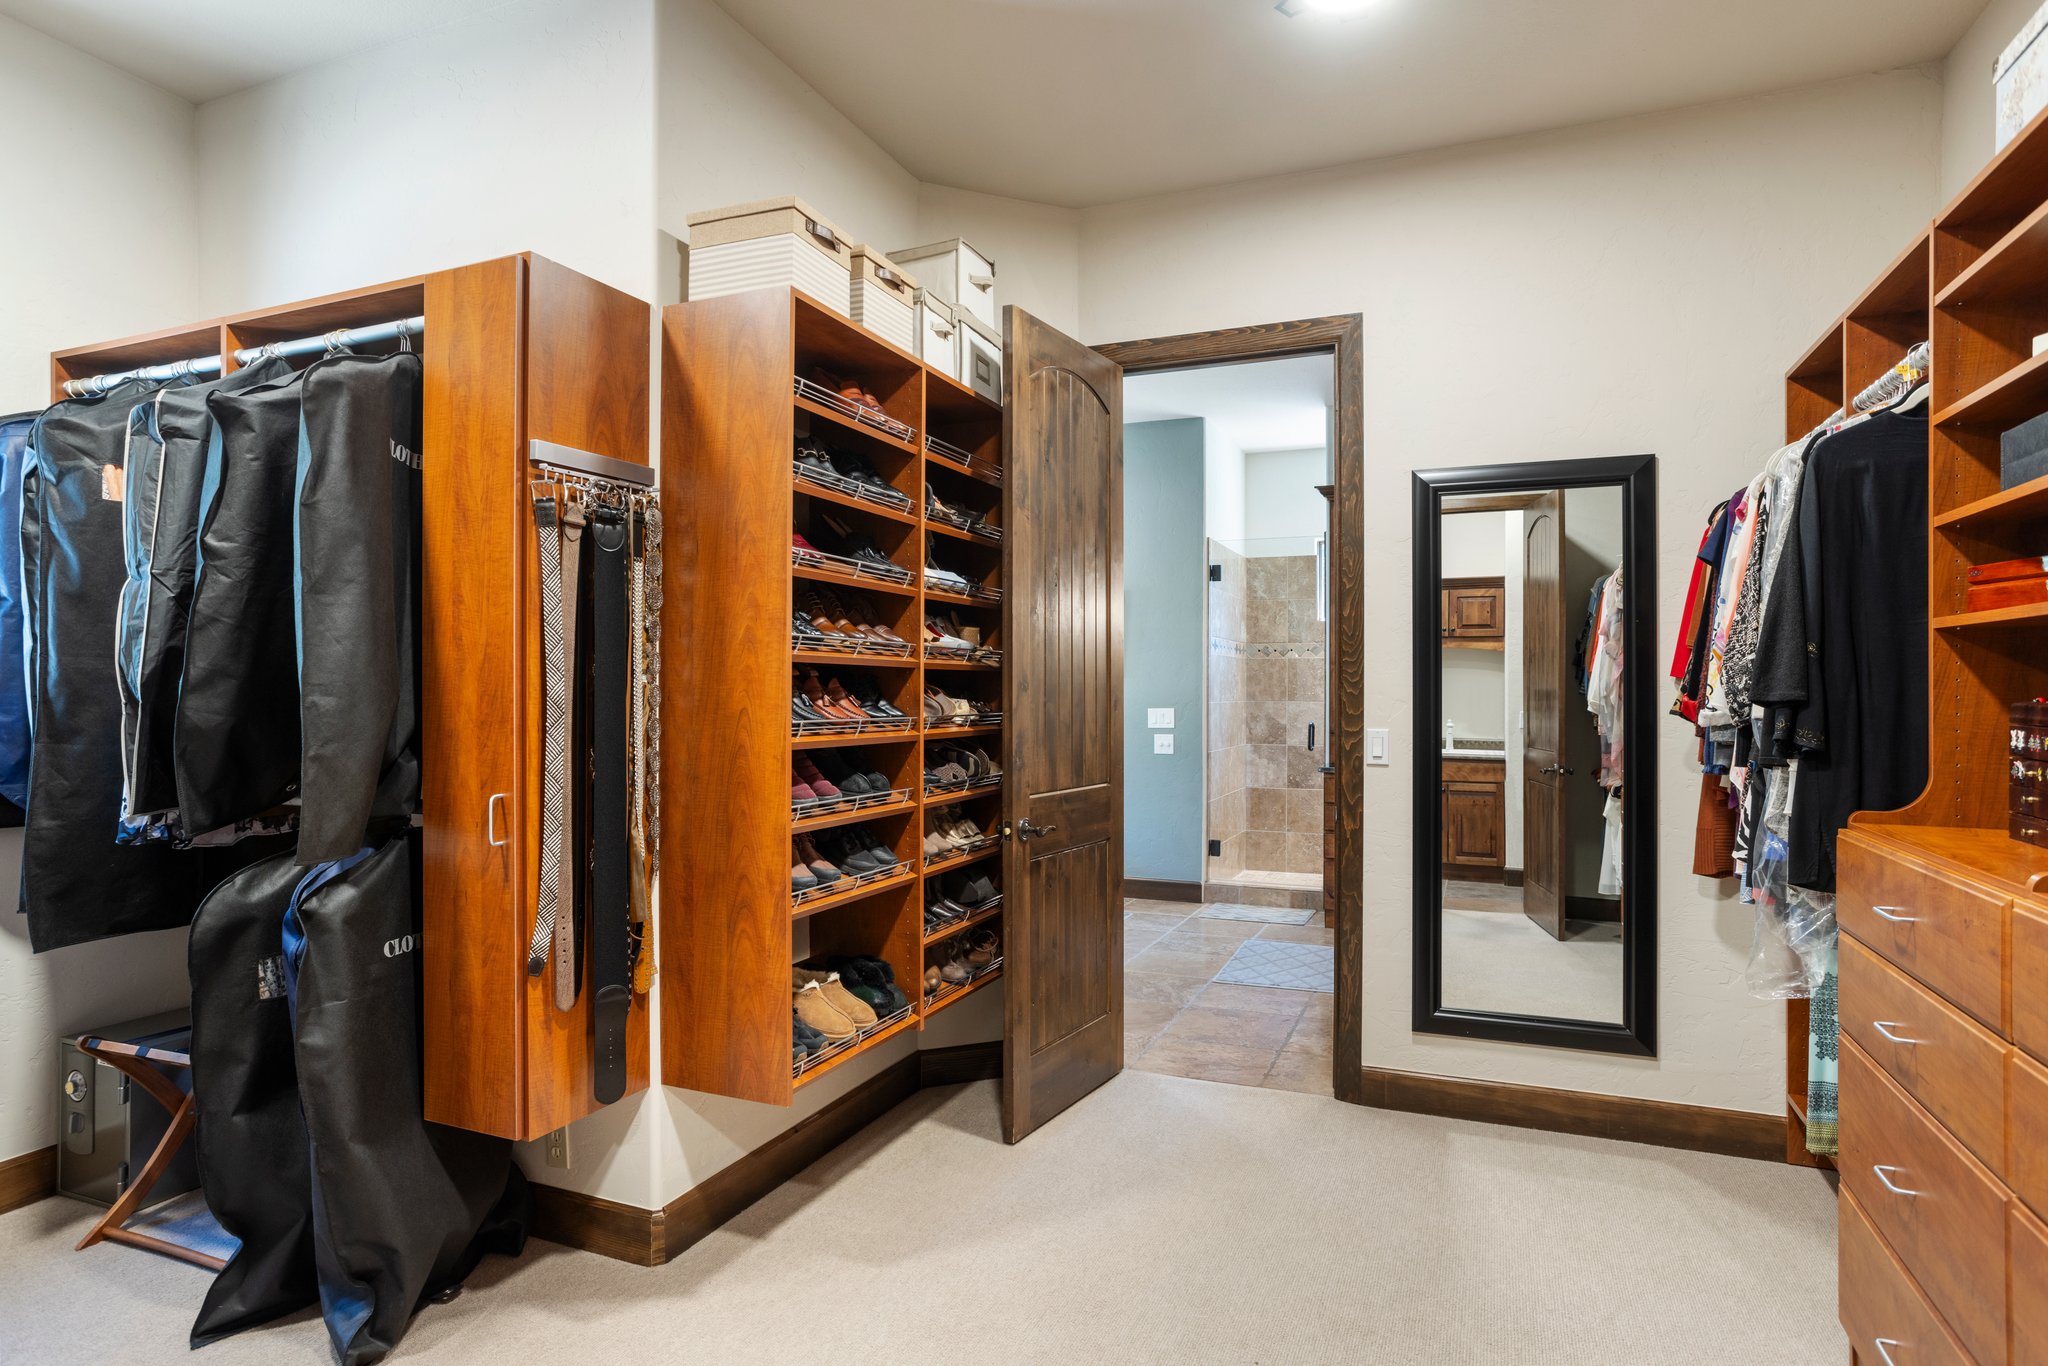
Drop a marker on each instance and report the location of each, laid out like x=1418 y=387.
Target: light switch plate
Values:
x=1159 y=718
x=1376 y=747
x=1162 y=744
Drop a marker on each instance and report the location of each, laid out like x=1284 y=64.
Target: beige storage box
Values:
x=981 y=357
x=938 y=335
x=884 y=299
x=2020 y=78
x=957 y=273
x=775 y=243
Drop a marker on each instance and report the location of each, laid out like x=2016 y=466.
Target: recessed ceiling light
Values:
x=1332 y=9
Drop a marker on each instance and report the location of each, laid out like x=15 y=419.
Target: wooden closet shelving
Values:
x=516 y=349
x=730 y=928
x=1941 y=910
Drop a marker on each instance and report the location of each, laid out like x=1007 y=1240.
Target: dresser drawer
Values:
x=1948 y=933
x=2030 y=978
x=2029 y=1250
x=1940 y=1211
x=1883 y=1312
x=2026 y=1144
x=1954 y=1067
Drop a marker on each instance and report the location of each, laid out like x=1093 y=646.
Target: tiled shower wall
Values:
x=1267 y=679
x=1227 y=732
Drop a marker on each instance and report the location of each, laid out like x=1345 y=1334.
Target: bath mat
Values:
x=1272 y=963
x=1264 y=915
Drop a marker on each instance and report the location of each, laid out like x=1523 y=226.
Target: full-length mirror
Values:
x=1535 y=887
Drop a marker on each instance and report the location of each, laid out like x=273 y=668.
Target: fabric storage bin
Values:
x=882 y=299
x=981 y=358
x=2023 y=452
x=774 y=243
x=957 y=273
x=2021 y=77
x=938 y=335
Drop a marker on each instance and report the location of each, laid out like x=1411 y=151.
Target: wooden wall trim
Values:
x=28 y=1178
x=1666 y=1124
x=1155 y=889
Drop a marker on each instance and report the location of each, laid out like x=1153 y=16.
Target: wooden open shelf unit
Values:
x=515 y=349
x=731 y=418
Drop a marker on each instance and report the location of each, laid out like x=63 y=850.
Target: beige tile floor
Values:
x=1180 y=1021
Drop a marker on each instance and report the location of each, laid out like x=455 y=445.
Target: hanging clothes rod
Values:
x=1898 y=381
x=339 y=338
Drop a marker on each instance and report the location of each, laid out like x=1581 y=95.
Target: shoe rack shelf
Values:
x=953 y=995
x=735 y=405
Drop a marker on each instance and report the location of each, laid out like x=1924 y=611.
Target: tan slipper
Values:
x=858 y=1012
x=820 y=1014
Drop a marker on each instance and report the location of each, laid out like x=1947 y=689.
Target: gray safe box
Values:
x=107 y=1127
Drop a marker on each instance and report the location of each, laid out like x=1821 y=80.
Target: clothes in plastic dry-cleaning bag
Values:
x=254 y=1161
x=76 y=883
x=358 y=558
x=14 y=434
x=237 y=741
x=402 y=1209
x=165 y=467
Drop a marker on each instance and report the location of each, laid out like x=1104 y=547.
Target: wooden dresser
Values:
x=1943 y=982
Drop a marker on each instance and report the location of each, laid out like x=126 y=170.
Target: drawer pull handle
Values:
x=1891 y=913
x=491 y=821
x=1885 y=1027
x=1888 y=1185
x=1884 y=1349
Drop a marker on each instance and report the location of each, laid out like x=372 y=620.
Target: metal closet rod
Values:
x=207 y=365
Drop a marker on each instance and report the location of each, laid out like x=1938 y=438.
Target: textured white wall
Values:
x=1617 y=288
x=84 y=145
x=1036 y=248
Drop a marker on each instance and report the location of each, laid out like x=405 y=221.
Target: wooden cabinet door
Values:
x=1063 y=1028
x=1473 y=831
x=1475 y=610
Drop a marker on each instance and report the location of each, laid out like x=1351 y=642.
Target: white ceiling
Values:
x=203 y=49
x=1081 y=102
x=1271 y=405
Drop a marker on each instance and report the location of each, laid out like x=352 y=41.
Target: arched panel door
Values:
x=1063 y=791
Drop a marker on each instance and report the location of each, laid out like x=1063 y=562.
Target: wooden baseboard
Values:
x=1473 y=872
x=1733 y=1133
x=28 y=1178
x=1511 y=877
x=647 y=1237
x=956 y=1066
x=1151 y=889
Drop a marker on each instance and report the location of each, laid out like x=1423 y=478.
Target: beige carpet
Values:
x=1503 y=961
x=1163 y=1220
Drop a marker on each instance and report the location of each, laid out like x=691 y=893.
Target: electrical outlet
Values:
x=1162 y=744
x=1159 y=718
x=1376 y=747
x=557 y=1149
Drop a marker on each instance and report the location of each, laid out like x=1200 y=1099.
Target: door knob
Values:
x=1553 y=768
x=1027 y=829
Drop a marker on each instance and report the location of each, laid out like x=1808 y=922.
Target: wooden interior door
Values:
x=1063 y=1016
x=1545 y=686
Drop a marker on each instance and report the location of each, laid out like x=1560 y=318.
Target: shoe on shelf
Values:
x=808 y=853
x=809 y=1042
x=807 y=772
x=803 y=549
x=953 y=967
x=801 y=878
x=836 y=995
x=801 y=793
x=932 y=980
x=973 y=892
x=871 y=973
x=982 y=950
x=813 y=1009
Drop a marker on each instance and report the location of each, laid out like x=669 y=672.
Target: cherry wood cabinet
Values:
x=1475 y=612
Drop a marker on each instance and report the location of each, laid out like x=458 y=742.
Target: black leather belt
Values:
x=610 y=899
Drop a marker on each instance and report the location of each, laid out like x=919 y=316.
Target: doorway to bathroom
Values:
x=1230 y=844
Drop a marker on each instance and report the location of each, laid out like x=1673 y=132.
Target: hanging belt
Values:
x=554 y=667
x=648 y=734
x=611 y=867
x=636 y=808
x=568 y=974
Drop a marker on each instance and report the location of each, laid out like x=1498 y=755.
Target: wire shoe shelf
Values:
x=833 y=1050
x=860 y=412
x=847 y=564
x=825 y=806
x=894 y=499
x=963 y=461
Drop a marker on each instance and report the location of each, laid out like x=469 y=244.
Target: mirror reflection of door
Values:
x=1529 y=912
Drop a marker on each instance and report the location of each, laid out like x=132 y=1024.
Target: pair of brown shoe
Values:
x=824 y=1003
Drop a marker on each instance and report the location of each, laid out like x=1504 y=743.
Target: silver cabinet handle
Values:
x=1884 y=1349
x=1888 y=1185
x=491 y=821
x=1885 y=1027
x=1891 y=913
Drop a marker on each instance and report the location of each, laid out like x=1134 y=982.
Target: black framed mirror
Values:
x=1535 y=817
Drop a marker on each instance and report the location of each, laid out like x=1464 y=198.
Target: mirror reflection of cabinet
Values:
x=1475 y=817
x=1475 y=612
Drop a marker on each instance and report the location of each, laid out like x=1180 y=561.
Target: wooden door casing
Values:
x=1544 y=689
x=1063 y=686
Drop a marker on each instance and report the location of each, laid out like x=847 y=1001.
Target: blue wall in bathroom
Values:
x=1165 y=643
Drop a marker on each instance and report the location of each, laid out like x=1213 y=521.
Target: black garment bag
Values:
x=77 y=885
x=402 y=1209
x=358 y=510
x=237 y=741
x=163 y=488
x=254 y=1162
